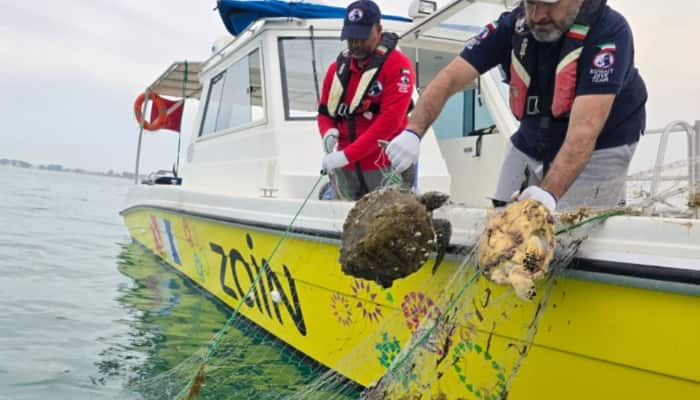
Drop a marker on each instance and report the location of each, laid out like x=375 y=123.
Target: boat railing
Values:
x=692 y=133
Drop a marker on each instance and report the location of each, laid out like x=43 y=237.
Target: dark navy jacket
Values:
x=606 y=66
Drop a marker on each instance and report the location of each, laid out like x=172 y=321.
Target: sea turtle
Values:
x=390 y=233
x=517 y=246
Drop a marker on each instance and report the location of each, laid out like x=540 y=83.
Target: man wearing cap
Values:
x=365 y=99
x=574 y=88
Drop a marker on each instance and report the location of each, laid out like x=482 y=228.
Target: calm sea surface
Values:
x=85 y=313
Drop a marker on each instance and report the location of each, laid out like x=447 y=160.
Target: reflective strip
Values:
x=365 y=80
x=519 y=85
x=571 y=57
x=565 y=84
x=519 y=69
x=334 y=96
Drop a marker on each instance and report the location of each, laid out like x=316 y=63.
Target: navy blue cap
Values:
x=360 y=16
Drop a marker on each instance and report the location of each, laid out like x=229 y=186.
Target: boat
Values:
x=246 y=225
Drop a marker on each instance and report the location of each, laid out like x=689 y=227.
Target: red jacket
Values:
x=393 y=89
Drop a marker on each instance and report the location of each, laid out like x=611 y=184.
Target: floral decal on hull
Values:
x=416 y=307
x=370 y=311
x=341 y=309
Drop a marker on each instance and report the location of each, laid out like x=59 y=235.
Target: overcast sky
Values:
x=70 y=70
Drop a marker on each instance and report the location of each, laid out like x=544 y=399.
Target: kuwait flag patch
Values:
x=607 y=47
x=578 y=31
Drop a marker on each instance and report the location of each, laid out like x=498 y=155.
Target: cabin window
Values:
x=235 y=96
x=299 y=86
x=464 y=113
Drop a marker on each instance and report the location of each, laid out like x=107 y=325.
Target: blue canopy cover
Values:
x=237 y=15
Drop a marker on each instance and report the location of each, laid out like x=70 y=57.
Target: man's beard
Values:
x=558 y=30
x=360 y=55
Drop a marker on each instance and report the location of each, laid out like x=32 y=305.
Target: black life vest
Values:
x=524 y=63
x=335 y=107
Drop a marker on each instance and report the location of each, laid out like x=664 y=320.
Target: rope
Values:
x=389 y=177
x=601 y=216
x=193 y=387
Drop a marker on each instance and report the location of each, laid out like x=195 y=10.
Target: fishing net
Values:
x=478 y=332
x=453 y=331
x=176 y=329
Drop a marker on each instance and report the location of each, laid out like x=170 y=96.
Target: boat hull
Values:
x=593 y=339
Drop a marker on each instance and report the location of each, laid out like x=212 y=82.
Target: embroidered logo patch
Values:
x=405 y=79
x=520 y=26
x=473 y=42
x=484 y=33
x=376 y=89
x=604 y=60
x=403 y=87
x=355 y=15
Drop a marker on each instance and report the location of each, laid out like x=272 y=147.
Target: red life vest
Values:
x=524 y=64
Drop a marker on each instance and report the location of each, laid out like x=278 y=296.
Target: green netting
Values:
x=480 y=334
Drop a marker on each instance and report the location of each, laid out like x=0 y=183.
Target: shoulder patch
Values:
x=604 y=60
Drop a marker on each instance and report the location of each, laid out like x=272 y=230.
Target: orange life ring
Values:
x=158 y=103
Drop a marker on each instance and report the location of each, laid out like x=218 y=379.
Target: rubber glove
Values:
x=403 y=150
x=330 y=139
x=334 y=160
x=537 y=193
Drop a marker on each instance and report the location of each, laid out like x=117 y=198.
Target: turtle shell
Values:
x=517 y=246
x=387 y=235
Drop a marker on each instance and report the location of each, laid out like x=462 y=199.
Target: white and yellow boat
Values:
x=623 y=321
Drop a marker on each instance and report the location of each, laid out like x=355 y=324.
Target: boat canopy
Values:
x=237 y=15
x=180 y=79
x=454 y=24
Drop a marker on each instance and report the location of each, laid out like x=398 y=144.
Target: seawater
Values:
x=85 y=312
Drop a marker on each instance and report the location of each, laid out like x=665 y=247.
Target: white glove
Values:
x=330 y=139
x=403 y=150
x=537 y=193
x=334 y=160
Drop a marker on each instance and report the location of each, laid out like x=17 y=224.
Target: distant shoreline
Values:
x=60 y=168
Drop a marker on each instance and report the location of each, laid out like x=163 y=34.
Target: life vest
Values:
x=524 y=64
x=335 y=107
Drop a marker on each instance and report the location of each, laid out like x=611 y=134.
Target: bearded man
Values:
x=575 y=90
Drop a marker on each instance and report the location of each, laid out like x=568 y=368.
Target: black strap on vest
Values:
x=589 y=14
x=342 y=71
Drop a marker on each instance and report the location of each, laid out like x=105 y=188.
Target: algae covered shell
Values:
x=389 y=234
x=517 y=246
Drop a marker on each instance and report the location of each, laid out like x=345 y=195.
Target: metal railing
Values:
x=693 y=146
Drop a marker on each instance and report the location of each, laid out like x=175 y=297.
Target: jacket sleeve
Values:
x=398 y=81
x=609 y=64
x=325 y=122
x=492 y=45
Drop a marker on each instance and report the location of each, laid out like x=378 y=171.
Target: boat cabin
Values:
x=256 y=133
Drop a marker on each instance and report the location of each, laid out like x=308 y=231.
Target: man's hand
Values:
x=537 y=193
x=334 y=160
x=330 y=139
x=403 y=150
